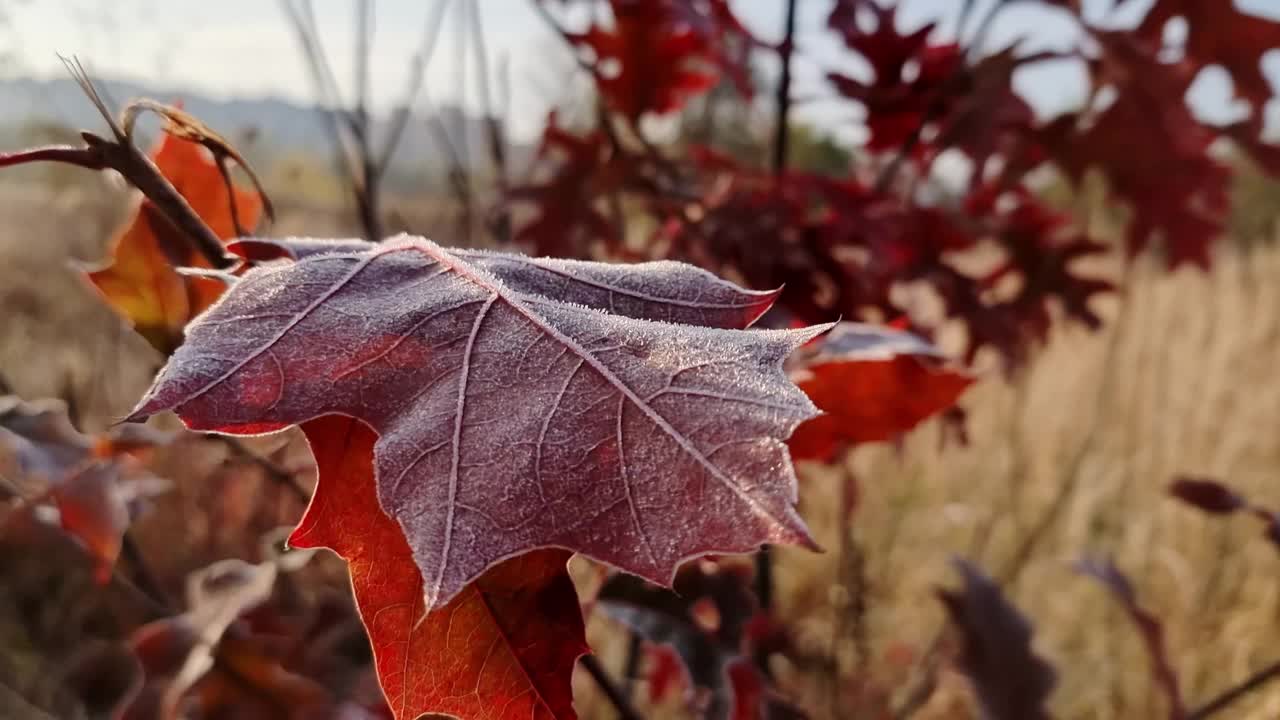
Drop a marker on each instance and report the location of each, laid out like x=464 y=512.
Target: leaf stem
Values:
x=783 y=98
x=1232 y=694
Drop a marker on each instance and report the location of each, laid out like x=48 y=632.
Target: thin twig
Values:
x=123 y=156
x=1229 y=696
x=610 y=689
x=782 y=101
x=274 y=472
x=348 y=131
x=417 y=71
x=145 y=580
x=493 y=124
x=764 y=558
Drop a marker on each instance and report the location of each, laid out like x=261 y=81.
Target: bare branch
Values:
x=125 y=158
x=417 y=70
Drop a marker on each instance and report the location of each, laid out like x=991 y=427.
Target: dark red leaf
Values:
x=660 y=53
x=578 y=173
x=897 y=105
x=1221 y=34
x=1159 y=164
x=1208 y=495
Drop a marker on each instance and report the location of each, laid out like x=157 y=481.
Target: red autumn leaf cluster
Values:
x=657 y=54
x=847 y=245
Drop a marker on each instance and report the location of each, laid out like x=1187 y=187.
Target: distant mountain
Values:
x=280 y=126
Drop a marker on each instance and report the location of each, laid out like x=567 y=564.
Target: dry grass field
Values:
x=1067 y=459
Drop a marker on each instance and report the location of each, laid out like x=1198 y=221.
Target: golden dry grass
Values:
x=1083 y=443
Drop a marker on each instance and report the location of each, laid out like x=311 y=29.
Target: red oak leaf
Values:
x=505 y=647
x=872 y=385
x=509 y=421
x=1040 y=247
x=582 y=170
x=1158 y=163
x=985 y=118
x=897 y=103
x=659 y=53
x=1220 y=34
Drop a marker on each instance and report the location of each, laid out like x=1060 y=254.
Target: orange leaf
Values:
x=872 y=385
x=94 y=512
x=504 y=647
x=141 y=283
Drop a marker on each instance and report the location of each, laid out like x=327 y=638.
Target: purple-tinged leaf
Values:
x=509 y=421
x=661 y=290
x=1215 y=497
x=1208 y=495
x=1011 y=681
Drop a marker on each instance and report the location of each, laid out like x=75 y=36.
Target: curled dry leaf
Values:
x=1216 y=498
x=510 y=421
x=140 y=281
x=872 y=384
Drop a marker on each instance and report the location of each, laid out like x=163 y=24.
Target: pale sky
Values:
x=244 y=48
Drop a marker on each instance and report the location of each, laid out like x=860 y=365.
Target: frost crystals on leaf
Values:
x=509 y=420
